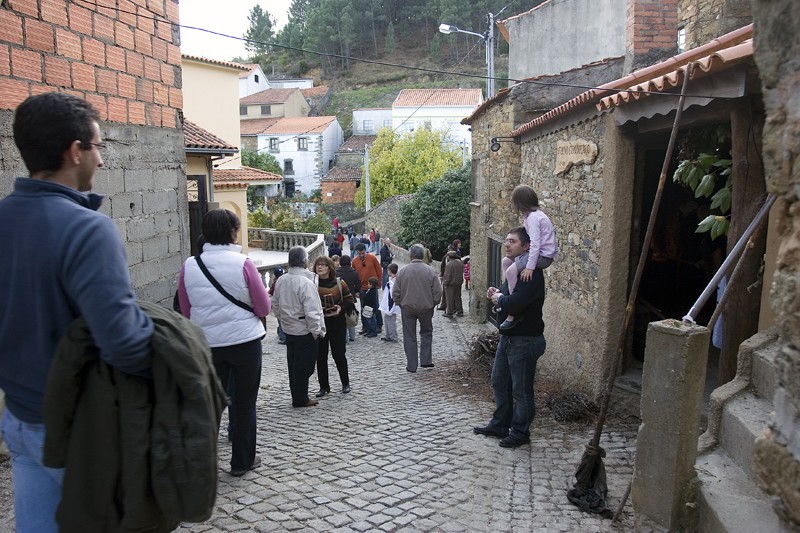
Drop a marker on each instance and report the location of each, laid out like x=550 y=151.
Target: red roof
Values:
x=286 y=126
x=268 y=96
x=713 y=56
x=438 y=97
x=244 y=174
x=356 y=143
x=315 y=92
x=197 y=137
x=343 y=174
x=231 y=64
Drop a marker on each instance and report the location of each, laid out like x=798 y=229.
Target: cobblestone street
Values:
x=398 y=454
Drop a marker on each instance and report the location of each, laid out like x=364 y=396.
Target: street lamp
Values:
x=488 y=41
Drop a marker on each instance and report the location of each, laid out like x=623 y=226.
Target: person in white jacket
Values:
x=233 y=331
x=298 y=307
x=388 y=306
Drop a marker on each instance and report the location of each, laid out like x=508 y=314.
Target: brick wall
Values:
x=340 y=192
x=128 y=66
x=652 y=31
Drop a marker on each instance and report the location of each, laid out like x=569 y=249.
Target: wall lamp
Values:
x=495 y=142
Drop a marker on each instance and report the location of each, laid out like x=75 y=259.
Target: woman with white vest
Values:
x=222 y=292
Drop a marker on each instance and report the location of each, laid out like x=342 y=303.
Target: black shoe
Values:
x=412 y=371
x=322 y=392
x=507 y=325
x=345 y=388
x=427 y=366
x=490 y=431
x=447 y=315
x=514 y=442
x=459 y=314
x=364 y=332
x=240 y=473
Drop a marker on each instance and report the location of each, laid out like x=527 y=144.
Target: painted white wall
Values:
x=321 y=147
x=300 y=83
x=585 y=31
x=249 y=85
x=381 y=118
x=447 y=118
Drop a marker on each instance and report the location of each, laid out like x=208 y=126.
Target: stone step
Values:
x=763 y=372
x=744 y=418
x=729 y=501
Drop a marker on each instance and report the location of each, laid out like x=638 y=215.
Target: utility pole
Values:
x=490 y=55
x=366 y=173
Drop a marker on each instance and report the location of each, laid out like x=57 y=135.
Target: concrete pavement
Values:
x=398 y=454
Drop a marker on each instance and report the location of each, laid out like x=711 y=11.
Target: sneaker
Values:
x=282 y=342
x=363 y=332
x=243 y=471
x=507 y=325
x=447 y=316
x=369 y=335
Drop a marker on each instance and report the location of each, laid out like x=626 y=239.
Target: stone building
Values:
x=129 y=67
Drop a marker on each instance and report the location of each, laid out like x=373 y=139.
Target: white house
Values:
x=436 y=109
x=291 y=83
x=304 y=146
x=252 y=81
x=368 y=120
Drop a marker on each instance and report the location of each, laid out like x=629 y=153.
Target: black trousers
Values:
x=301 y=355
x=242 y=362
x=336 y=338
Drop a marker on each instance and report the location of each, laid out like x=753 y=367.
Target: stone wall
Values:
x=777 y=45
x=385 y=217
x=704 y=21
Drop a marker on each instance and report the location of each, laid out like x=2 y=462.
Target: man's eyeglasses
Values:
x=100 y=146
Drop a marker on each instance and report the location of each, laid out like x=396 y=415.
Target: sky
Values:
x=228 y=17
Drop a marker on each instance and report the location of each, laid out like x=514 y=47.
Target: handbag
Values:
x=367 y=311
x=351 y=317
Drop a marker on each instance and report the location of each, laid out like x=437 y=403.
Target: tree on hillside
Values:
x=399 y=164
x=260 y=30
x=438 y=213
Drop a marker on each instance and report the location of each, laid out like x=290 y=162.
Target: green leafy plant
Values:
x=439 y=213
x=708 y=175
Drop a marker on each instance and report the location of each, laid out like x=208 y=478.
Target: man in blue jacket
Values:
x=517 y=353
x=63 y=260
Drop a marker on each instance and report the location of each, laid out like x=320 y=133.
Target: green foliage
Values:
x=260 y=30
x=315 y=195
x=439 y=213
x=317 y=223
x=281 y=216
x=400 y=164
x=705 y=171
x=262 y=161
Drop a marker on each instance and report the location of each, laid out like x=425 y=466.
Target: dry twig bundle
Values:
x=570 y=406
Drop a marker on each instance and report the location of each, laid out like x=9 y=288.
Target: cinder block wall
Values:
x=126 y=62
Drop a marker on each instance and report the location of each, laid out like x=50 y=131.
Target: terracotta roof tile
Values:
x=356 y=143
x=287 y=126
x=715 y=55
x=502 y=93
x=250 y=68
x=231 y=64
x=438 y=97
x=254 y=126
x=197 y=137
x=343 y=174
x=268 y=96
x=229 y=184
x=244 y=174
x=315 y=92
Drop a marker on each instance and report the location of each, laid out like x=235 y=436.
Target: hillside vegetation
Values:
x=325 y=38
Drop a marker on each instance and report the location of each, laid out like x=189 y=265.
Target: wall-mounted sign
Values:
x=570 y=153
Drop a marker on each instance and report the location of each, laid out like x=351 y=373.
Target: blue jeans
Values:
x=37 y=488
x=512 y=381
x=281 y=334
x=370 y=325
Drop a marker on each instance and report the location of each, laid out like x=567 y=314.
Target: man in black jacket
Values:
x=517 y=353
